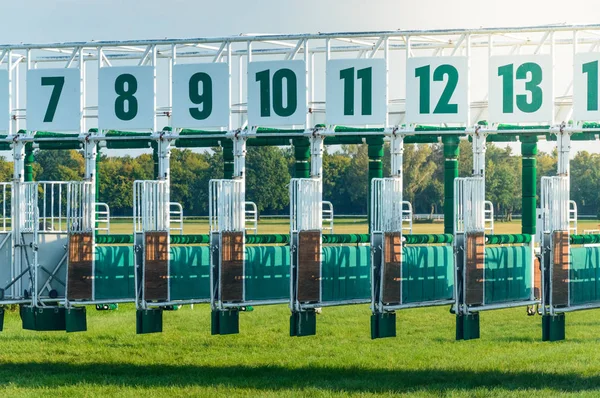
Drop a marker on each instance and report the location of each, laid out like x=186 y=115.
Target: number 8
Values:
x=126 y=96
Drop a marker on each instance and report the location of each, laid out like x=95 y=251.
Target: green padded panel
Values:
x=190 y=272
x=267 y=273
x=585 y=275
x=507 y=274
x=346 y=273
x=114 y=277
x=428 y=273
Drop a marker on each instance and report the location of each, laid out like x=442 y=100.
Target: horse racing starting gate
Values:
x=260 y=90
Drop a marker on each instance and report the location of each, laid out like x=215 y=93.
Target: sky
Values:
x=41 y=21
x=45 y=21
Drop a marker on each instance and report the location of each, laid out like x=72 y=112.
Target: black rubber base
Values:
x=149 y=321
x=467 y=326
x=75 y=320
x=225 y=322
x=303 y=323
x=383 y=325
x=44 y=319
x=553 y=327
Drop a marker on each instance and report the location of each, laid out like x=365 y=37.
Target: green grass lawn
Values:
x=341 y=360
x=185 y=360
x=341 y=226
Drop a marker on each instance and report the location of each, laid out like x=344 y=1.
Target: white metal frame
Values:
x=306 y=205
x=328 y=216
x=471 y=216
x=226 y=214
x=237 y=51
x=151 y=213
x=572 y=217
x=80 y=207
x=488 y=217
x=176 y=217
x=81 y=210
x=306 y=214
x=251 y=217
x=407 y=217
x=556 y=216
x=102 y=217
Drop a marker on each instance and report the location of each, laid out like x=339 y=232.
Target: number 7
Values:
x=58 y=82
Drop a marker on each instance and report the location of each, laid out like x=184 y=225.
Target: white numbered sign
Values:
x=4 y=103
x=200 y=95
x=437 y=90
x=355 y=91
x=277 y=93
x=520 y=89
x=126 y=98
x=585 y=87
x=53 y=100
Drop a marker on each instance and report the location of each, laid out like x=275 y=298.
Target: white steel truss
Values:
x=561 y=41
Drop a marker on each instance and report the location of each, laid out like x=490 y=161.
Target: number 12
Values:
x=424 y=74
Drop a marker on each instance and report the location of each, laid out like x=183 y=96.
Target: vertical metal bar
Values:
x=11 y=107
x=172 y=63
x=308 y=83
x=155 y=125
x=230 y=88
x=239 y=91
x=386 y=48
x=552 y=54
x=82 y=123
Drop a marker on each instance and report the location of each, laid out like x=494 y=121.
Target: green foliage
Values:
x=267 y=178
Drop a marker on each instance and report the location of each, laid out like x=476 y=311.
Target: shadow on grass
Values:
x=351 y=379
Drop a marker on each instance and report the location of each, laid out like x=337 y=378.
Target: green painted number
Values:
x=125 y=87
x=591 y=69
x=265 y=92
x=205 y=99
x=291 y=99
x=365 y=75
x=58 y=83
x=292 y=95
x=506 y=73
x=443 y=105
x=532 y=73
x=422 y=74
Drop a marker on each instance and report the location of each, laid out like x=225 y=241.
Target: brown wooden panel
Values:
x=309 y=266
x=156 y=266
x=392 y=268
x=475 y=255
x=232 y=266
x=80 y=267
x=560 y=268
x=537 y=279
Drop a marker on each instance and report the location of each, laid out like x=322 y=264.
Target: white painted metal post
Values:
x=316 y=155
x=397 y=149
x=164 y=155
x=564 y=148
x=239 y=156
x=478 y=153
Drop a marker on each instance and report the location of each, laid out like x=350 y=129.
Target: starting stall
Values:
x=306 y=240
x=227 y=220
x=491 y=271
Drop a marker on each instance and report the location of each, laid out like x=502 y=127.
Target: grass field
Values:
x=341 y=360
x=342 y=226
